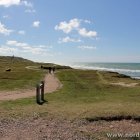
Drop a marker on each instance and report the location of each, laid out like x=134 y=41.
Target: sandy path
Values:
x=51 y=84
x=124 y=84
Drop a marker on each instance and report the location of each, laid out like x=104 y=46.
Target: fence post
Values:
x=38 y=93
x=42 y=90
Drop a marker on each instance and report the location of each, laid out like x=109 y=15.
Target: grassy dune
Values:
x=85 y=94
x=89 y=94
x=20 y=76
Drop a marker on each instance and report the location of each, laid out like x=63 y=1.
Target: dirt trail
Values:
x=51 y=84
x=125 y=84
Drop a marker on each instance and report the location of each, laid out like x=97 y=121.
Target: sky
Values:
x=65 y=31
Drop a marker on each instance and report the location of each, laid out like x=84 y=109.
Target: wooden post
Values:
x=38 y=94
x=42 y=90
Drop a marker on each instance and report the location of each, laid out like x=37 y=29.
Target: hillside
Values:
x=17 y=72
x=14 y=59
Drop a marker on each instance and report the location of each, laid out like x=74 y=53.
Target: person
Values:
x=53 y=69
x=50 y=69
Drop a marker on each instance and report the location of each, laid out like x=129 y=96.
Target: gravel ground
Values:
x=41 y=128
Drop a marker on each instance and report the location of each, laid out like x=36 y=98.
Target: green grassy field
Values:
x=85 y=94
x=19 y=76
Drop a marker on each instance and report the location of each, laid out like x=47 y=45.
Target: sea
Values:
x=130 y=69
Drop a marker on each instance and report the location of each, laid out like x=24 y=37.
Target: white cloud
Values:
x=75 y=24
x=83 y=32
x=15 y=43
x=36 y=23
x=4 y=30
x=68 y=39
x=6 y=16
x=67 y=27
x=30 y=11
x=27 y=4
x=26 y=48
x=87 y=21
x=8 y=3
x=7 y=50
x=21 y=32
x=87 y=47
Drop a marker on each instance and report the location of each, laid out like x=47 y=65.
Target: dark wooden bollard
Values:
x=42 y=90
x=40 y=93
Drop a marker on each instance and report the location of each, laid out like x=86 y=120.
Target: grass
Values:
x=19 y=77
x=85 y=94
x=18 y=80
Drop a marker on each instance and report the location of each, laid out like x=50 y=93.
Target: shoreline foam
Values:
x=127 y=72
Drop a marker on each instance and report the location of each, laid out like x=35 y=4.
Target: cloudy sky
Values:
x=71 y=30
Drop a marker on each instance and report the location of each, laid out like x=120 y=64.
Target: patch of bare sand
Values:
x=125 y=84
x=52 y=83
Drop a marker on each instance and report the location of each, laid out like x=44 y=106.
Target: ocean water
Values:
x=130 y=69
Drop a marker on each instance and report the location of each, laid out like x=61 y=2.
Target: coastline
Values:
x=124 y=72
